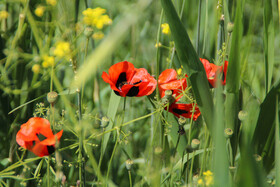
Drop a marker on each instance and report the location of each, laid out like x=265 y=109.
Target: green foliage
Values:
x=235 y=141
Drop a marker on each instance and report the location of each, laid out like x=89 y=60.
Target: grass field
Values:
x=139 y=93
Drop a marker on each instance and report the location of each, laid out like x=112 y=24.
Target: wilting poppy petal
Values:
x=126 y=80
x=47 y=146
x=212 y=71
x=35 y=131
x=184 y=110
x=168 y=81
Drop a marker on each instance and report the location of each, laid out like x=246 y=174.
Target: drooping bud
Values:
x=182 y=121
x=230 y=27
x=168 y=98
x=181 y=130
x=88 y=32
x=128 y=164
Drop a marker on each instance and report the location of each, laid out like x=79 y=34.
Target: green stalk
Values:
x=48 y=171
x=130 y=180
x=198 y=28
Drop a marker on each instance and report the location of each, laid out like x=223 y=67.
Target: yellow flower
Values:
x=51 y=2
x=98 y=35
x=62 y=49
x=96 y=17
x=165 y=28
x=179 y=71
x=39 y=11
x=208 y=177
x=36 y=68
x=48 y=61
x=3 y=14
x=200 y=182
x=158 y=45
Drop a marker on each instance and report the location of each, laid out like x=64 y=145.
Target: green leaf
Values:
x=264 y=132
x=111 y=113
x=190 y=61
x=268 y=43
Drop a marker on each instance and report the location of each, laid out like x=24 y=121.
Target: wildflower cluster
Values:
x=207 y=179
x=39 y=11
x=62 y=49
x=96 y=17
x=48 y=61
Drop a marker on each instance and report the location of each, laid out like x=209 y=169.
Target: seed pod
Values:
x=51 y=97
x=242 y=115
x=182 y=121
x=228 y=132
x=88 y=32
x=230 y=27
x=195 y=144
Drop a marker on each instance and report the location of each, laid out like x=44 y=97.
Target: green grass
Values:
x=139 y=128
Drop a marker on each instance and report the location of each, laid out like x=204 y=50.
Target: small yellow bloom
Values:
x=179 y=71
x=62 y=49
x=96 y=17
x=158 y=45
x=200 y=182
x=39 y=11
x=208 y=177
x=51 y=2
x=48 y=61
x=98 y=35
x=165 y=28
x=36 y=68
x=4 y=14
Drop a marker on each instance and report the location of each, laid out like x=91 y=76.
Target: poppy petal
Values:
x=117 y=69
x=167 y=76
x=184 y=110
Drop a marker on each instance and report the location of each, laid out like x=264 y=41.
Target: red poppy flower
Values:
x=126 y=80
x=184 y=110
x=36 y=136
x=212 y=71
x=167 y=80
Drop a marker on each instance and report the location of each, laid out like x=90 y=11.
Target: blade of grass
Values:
x=111 y=113
x=268 y=43
x=221 y=163
x=190 y=62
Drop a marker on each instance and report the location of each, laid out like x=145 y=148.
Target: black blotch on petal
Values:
x=117 y=93
x=51 y=149
x=133 y=91
x=223 y=78
x=121 y=79
x=178 y=111
x=41 y=137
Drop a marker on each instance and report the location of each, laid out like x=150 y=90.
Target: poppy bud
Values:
x=195 y=144
x=88 y=32
x=51 y=97
x=189 y=149
x=181 y=130
x=104 y=122
x=182 y=121
x=228 y=132
x=230 y=27
x=242 y=115
x=128 y=164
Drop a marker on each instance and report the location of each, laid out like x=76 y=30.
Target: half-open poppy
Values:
x=167 y=80
x=184 y=110
x=212 y=70
x=36 y=135
x=126 y=80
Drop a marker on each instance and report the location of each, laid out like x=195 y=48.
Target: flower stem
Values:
x=129 y=175
x=48 y=170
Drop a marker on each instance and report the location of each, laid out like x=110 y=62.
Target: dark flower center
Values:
x=50 y=148
x=179 y=111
